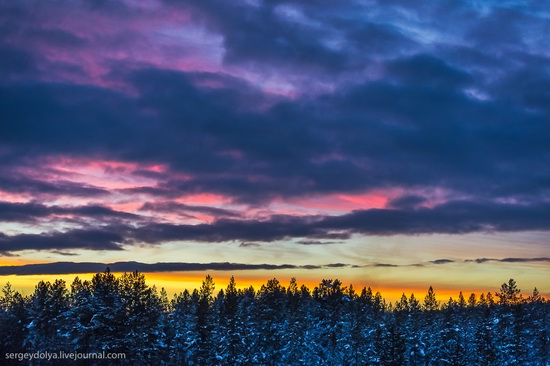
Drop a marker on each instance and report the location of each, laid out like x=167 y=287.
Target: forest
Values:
x=331 y=324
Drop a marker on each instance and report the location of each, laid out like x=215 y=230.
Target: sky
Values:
x=390 y=144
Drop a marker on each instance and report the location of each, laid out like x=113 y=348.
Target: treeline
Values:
x=276 y=325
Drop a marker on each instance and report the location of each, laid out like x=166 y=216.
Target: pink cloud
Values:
x=144 y=36
x=207 y=199
x=342 y=202
x=14 y=198
x=107 y=174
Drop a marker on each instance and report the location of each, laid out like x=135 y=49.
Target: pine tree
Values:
x=167 y=331
x=297 y=324
x=486 y=350
x=182 y=321
x=331 y=325
x=330 y=297
x=402 y=306
x=271 y=321
x=230 y=324
x=451 y=348
x=205 y=349
x=430 y=301
x=414 y=304
x=79 y=330
x=461 y=301
x=509 y=293
x=246 y=313
x=108 y=314
x=412 y=330
x=392 y=346
x=490 y=300
x=49 y=303
x=429 y=320
x=472 y=301
x=13 y=317
x=142 y=318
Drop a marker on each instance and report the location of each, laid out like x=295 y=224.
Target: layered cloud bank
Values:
x=60 y=268
x=126 y=124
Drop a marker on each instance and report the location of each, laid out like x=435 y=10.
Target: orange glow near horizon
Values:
x=176 y=282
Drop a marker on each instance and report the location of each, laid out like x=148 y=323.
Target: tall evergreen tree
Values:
x=231 y=328
x=205 y=352
x=49 y=303
x=430 y=301
x=142 y=318
x=13 y=317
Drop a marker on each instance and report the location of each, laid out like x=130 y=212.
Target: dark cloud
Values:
x=426 y=70
x=91 y=267
x=91 y=239
x=442 y=261
x=316 y=242
x=29 y=212
x=459 y=217
x=337 y=265
x=452 y=217
x=383 y=265
x=377 y=38
x=14 y=61
x=19 y=183
x=67 y=254
x=414 y=136
x=179 y=207
x=519 y=260
x=88 y=267
x=509 y=260
x=248 y=244
x=270 y=33
x=458 y=105
x=406 y=202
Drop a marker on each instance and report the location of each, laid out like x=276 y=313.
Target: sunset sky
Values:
x=392 y=144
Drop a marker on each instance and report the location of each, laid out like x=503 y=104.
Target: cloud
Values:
x=403 y=142
x=267 y=33
x=180 y=207
x=30 y=212
x=90 y=239
x=423 y=69
x=23 y=184
x=89 y=267
x=458 y=217
x=315 y=242
x=266 y=102
x=15 y=61
x=442 y=261
x=519 y=260
x=509 y=260
x=383 y=265
x=404 y=202
x=59 y=268
x=248 y=244
x=68 y=254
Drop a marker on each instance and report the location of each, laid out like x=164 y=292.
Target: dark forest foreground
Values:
x=277 y=325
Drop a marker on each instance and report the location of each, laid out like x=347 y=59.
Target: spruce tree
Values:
x=205 y=349
x=13 y=318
